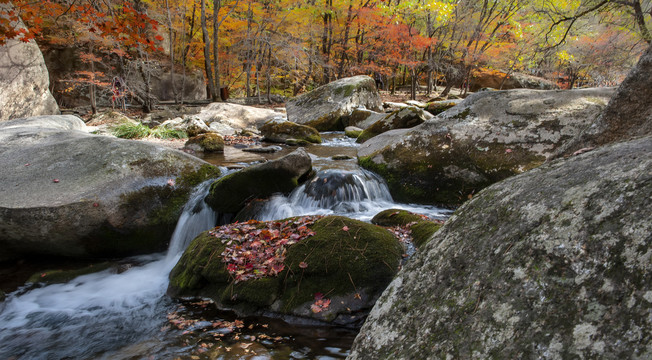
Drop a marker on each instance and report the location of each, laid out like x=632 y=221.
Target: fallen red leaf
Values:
x=345 y=228
x=303 y=265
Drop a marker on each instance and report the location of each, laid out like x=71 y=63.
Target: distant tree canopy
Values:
x=261 y=47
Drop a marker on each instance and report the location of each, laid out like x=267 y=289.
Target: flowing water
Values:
x=126 y=315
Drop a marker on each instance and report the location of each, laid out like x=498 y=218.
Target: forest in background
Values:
x=265 y=47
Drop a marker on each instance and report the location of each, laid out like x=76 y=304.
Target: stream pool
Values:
x=125 y=314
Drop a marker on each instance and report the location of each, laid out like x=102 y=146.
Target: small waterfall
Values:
x=352 y=193
x=101 y=311
x=196 y=217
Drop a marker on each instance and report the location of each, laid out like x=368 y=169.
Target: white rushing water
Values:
x=101 y=311
x=358 y=194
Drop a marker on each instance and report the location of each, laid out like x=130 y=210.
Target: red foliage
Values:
x=257 y=249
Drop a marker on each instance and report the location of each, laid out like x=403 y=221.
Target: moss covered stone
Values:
x=352 y=131
x=207 y=142
x=281 y=131
x=488 y=137
x=58 y=276
x=421 y=229
x=345 y=259
x=230 y=194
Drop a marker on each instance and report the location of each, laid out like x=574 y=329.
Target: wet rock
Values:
x=486 y=138
x=553 y=263
x=229 y=194
x=324 y=107
x=68 y=193
x=404 y=118
x=347 y=261
x=341 y=157
x=209 y=143
x=281 y=130
x=264 y=149
x=24 y=81
x=58 y=276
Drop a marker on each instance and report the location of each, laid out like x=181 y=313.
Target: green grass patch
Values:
x=140 y=131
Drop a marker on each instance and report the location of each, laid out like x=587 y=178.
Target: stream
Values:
x=125 y=314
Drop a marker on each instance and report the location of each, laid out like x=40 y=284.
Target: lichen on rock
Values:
x=553 y=263
x=488 y=137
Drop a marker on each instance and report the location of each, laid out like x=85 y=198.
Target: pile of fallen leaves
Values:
x=242 y=140
x=257 y=249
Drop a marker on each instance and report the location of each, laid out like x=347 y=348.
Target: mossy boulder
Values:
x=325 y=107
x=438 y=107
x=349 y=262
x=281 y=130
x=553 y=263
x=59 y=276
x=420 y=227
x=69 y=193
x=404 y=118
x=208 y=142
x=488 y=137
x=352 y=131
x=230 y=194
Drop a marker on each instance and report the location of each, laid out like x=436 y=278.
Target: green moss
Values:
x=159 y=206
x=463 y=114
x=229 y=194
x=422 y=232
x=421 y=229
x=366 y=257
x=193 y=178
x=440 y=174
x=328 y=122
x=58 y=276
x=257 y=292
x=209 y=142
x=395 y=217
x=344 y=257
x=352 y=133
x=275 y=131
x=297 y=142
x=439 y=107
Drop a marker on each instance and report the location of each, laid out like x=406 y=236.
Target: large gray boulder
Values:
x=24 y=81
x=228 y=119
x=230 y=194
x=405 y=118
x=488 y=137
x=551 y=264
x=628 y=114
x=69 y=193
x=324 y=107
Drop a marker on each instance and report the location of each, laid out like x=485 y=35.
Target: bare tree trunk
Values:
x=91 y=88
x=207 y=52
x=217 y=5
x=171 y=39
